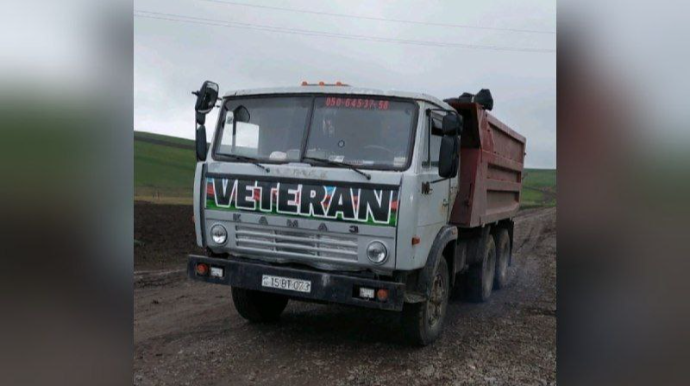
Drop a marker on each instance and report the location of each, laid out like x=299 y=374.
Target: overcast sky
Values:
x=172 y=57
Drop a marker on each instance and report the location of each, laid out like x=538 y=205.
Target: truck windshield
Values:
x=365 y=132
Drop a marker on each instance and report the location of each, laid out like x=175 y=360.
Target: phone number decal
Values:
x=357 y=103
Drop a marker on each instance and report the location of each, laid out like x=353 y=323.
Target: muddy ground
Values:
x=188 y=333
x=163 y=236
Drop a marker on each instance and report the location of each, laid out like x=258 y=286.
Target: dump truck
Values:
x=337 y=194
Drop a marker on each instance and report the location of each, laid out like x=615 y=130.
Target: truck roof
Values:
x=315 y=89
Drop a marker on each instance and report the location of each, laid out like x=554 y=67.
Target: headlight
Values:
x=219 y=234
x=377 y=252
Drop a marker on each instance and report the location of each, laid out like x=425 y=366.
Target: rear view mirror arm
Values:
x=439 y=180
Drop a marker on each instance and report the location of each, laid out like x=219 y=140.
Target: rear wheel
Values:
x=480 y=277
x=502 y=239
x=256 y=306
x=423 y=322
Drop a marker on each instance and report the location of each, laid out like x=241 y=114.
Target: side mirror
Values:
x=206 y=99
x=449 y=155
x=201 y=144
x=452 y=124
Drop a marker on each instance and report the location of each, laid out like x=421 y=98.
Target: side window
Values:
x=425 y=146
x=432 y=140
x=435 y=149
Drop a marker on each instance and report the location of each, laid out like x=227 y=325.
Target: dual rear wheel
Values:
x=492 y=271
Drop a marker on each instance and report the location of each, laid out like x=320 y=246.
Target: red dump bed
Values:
x=492 y=156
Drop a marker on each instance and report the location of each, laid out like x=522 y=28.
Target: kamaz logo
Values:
x=363 y=204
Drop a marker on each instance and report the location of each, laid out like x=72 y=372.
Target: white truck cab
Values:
x=330 y=193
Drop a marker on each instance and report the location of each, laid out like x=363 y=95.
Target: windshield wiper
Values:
x=340 y=164
x=251 y=160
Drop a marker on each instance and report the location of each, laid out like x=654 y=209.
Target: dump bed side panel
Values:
x=491 y=165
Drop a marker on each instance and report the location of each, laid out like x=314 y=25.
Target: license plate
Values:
x=216 y=272
x=286 y=283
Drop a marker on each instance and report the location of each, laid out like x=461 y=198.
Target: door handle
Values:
x=445 y=202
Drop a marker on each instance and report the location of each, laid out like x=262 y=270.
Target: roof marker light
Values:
x=322 y=83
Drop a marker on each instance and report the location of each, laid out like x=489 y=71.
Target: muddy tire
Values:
x=423 y=322
x=258 y=306
x=503 y=250
x=480 y=277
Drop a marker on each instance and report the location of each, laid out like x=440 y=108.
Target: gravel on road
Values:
x=188 y=333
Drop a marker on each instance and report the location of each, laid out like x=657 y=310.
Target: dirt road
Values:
x=188 y=333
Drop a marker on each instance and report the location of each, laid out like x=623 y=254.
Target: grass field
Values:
x=163 y=168
x=539 y=188
x=164 y=172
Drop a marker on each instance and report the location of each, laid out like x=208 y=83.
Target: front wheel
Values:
x=423 y=322
x=256 y=306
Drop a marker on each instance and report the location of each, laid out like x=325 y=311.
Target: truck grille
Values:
x=295 y=243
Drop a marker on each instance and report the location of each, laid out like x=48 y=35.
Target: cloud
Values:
x=173 y=58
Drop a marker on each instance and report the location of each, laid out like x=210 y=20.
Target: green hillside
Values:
x=164 y=172
x=163 y=167
x=539 y=188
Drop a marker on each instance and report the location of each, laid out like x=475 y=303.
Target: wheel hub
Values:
x=435 y=303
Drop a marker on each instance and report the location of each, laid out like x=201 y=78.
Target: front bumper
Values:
x=325 y=286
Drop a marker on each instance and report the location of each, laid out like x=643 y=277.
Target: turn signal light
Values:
x=202 y=269
x=416 y=240
x=382 y=294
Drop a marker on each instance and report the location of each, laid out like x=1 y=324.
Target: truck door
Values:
x=434 y=198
